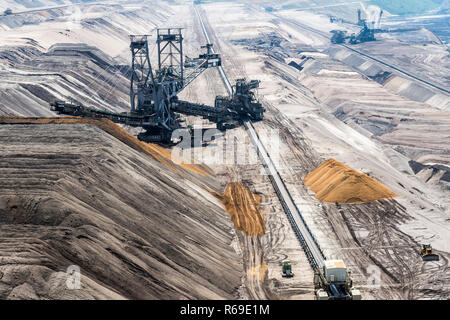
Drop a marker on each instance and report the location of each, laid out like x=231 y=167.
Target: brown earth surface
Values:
x=244 y=209
x=334 y=181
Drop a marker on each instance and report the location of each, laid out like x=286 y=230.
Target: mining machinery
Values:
x=339 y=36
x=427 y=253
x=367 y=32
x=333 y=282
x=243 y=102
x=361 y=22
x=364 y=35
x=154 y=93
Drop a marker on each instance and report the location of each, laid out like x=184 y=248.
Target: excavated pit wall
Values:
x=84 y=192
x=397 y=84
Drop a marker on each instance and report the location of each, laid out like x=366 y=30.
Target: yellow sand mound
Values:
x=259 y=271
x=334 y=181
x=160 y=154
x=243 y=207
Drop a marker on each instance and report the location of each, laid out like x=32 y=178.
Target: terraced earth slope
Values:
x=72 y=194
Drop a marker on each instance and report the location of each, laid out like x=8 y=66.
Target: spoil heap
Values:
x=244 y=209
x=334 y=181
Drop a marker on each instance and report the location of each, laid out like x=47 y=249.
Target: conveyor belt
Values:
x=307 y=240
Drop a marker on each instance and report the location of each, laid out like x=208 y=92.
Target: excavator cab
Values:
x=287 y=269
x=427 y=253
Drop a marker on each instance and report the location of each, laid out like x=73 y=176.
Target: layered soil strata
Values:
x=83 y=193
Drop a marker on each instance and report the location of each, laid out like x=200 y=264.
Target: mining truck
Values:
x=333 y=282
x=427 y=253
x=287 y=269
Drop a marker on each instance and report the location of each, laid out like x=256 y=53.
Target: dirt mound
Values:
x=157 y=152
x=243 y=207
x=334 y=181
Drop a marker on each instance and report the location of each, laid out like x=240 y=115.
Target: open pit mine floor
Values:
x=363 y=154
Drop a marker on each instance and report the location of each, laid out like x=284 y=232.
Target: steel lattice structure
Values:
x=153 y=93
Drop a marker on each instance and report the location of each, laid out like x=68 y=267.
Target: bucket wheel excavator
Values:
x=154 y=93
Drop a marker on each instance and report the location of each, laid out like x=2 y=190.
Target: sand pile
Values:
x=334 y=181
x=160 y=154
x=244 y=209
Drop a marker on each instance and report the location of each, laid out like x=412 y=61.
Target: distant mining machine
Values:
x=286 y=268
x=243 y=102
x=366 y=34
x=361 y=22
x=7 y=12
x=339 y=36
x=153 y=93
x=333 y=282
x=427 y=253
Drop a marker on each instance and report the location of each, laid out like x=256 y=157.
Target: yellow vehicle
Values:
x=427 y=253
